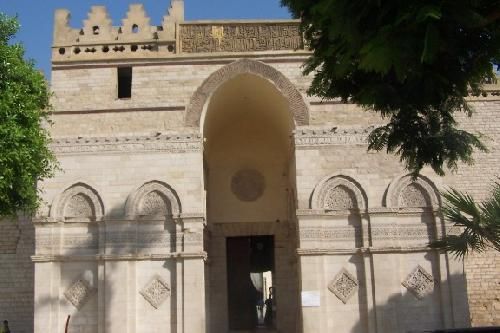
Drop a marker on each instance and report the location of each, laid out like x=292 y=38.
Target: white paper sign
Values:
x=310 y=298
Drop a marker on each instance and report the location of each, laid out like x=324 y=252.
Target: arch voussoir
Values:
x=298 y=108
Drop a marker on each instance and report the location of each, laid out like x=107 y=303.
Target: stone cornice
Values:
x=376 y=211
x=362 y=250
x=172 y=143
x=118 y=257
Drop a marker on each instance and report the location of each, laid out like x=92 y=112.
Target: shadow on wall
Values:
x=92 y=292
x=406 y=313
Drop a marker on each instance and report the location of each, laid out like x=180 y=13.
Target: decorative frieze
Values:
x=240 y=37
x=324 y=137
x=163 y=143
x=405 y=232
x=156 y=292
x=330 y=233
x=416 y=231
x=79 y=293
x=344 y=285
x=419 y=282
x=84 y=241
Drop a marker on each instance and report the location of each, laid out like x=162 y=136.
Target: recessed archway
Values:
x=296 y=104
x=249 y=179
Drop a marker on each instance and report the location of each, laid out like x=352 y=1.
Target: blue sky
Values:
x=36 y=16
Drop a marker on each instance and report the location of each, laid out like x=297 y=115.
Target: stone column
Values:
x=46 y=302
x=193 y=269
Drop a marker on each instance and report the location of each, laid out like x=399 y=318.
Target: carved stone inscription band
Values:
x=240 y=37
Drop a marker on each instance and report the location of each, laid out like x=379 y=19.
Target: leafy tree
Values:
x=480 y=223
x=25 y=157
x=412 y=61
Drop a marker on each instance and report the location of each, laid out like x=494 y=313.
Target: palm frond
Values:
x=480 y=223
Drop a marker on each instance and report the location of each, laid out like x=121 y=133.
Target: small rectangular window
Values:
x=124 y=82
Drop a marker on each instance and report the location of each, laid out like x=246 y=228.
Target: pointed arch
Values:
x=297 y=106
x=153 y=198
x=78 y=202
x=406 y=192
x=338 y=192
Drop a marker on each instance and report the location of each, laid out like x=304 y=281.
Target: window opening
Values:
x=124 y=82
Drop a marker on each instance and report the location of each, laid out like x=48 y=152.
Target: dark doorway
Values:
x=249 y=259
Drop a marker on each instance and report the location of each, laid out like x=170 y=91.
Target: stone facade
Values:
x=219 y=140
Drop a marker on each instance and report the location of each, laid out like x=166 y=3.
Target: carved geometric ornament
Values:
x=79 y=206
x=338 y=193
x=79 y=293
x=414 y=196
x=344 y=285
x=406 y=192
x=156 y=292
x=154 y=203
x=419 y=282
x=154 y=198
x=79 y=201
x=340 y=198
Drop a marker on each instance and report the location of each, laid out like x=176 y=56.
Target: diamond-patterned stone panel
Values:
x=79 y=293
x=156 y=292
x=419 y=282
x=344 y=285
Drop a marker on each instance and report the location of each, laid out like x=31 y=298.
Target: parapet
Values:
x=136 y=38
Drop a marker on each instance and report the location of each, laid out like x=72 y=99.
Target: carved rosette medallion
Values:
x=248 y=185
x=419 y=282
x=79 y=293
x=344 y=285
x=156 y=292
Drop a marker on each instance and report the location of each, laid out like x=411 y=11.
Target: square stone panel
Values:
x=79 y=293
x=419 y=282
x=344 y=285
x=156 y=292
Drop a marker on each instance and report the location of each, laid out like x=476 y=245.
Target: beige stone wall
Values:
x=115 y=146
x=483 y=287
x=16 y=274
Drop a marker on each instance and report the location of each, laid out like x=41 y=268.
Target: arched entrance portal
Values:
x=249 y=179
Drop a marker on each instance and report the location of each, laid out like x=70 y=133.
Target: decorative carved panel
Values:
x=344 y=285
x=156 y=292
x=79 y=206
x=153 y=199
x=240 y=37
x=406 y=192
x=338 y=193
x=340 y=198
x=79 y=293
x=419 y=282
x=414 y=195
x=154 y=203
x=78 y=201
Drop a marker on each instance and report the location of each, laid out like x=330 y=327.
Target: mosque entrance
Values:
x=249 y=169
x=250 y=266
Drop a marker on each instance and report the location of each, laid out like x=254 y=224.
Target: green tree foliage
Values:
x=479 y=223
x=25 y=157
x=412 y=61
